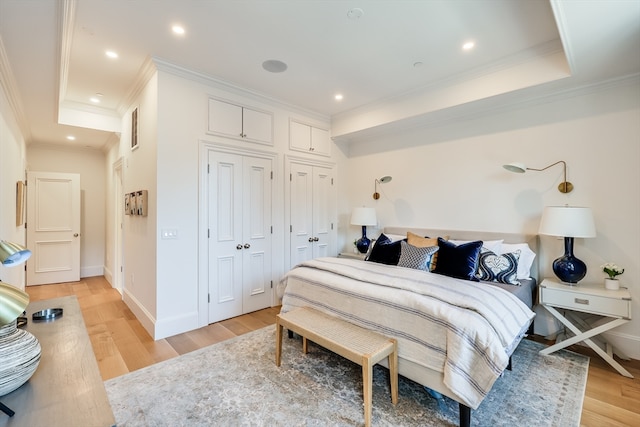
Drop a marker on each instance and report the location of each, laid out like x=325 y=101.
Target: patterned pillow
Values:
x=415 y=257
x=499 y=268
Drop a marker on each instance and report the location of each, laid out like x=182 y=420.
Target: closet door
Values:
x=301 y=206
x=256 y=252
x=322 y=211
x=312 y=212
x=225 y=235
x=239 y=208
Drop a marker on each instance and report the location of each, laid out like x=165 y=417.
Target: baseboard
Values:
x=108 y=275
x=146 y=319
x=176 y=325
x=161 y=328
x=627 y=344
x=92 y=271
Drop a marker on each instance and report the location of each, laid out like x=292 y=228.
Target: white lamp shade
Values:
x=567 y=221
x=515 y=167
x=364 y=216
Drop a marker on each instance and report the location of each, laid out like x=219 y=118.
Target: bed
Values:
x=455 y=332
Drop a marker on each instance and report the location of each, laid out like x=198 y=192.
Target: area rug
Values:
x=236 y=383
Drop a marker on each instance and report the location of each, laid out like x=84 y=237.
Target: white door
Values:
x=301 y=205
x=312 y=212
x=322 y=211
x=239 y=197
x=256 y=212
x=53 y=227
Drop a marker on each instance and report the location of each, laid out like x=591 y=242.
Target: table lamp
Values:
x=19 y=350
x=363 y=217
x=568 y=222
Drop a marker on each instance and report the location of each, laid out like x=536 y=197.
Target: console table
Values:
x=66 y=389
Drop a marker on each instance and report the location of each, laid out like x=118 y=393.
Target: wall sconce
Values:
x=377 y=181
x=563 y=187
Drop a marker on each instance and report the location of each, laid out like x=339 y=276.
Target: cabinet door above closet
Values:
x=240 y=122
x=310 y=139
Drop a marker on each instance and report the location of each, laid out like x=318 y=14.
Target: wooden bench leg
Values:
x=278 y=342
x=393 y=372
x=367 y=388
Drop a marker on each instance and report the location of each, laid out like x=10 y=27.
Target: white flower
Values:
x=612 y=269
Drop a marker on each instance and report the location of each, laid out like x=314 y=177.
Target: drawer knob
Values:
x=582 y=301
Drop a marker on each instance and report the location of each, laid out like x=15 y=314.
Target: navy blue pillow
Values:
x=385 y=251
x=458 y=261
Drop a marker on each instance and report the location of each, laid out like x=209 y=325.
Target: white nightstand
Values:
x=353 y=255
x=587 y=298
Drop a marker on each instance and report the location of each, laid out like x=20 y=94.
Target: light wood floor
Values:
x=121 y=345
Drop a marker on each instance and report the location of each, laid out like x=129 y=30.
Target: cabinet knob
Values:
x=247 y=246
x=310 y=239
x=315 y=239
x=239 y=246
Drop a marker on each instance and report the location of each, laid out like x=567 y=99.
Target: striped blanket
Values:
x=466 y=330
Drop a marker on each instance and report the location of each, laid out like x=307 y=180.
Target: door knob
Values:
x=239 y=246
x=247 y=246
x=75 y=234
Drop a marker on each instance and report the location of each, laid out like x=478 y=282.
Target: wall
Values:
x=163 y=285
x=451 y=176
x=89 y=164
x=12 y=167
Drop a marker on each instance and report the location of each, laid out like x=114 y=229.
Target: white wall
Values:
x=12 y=167
x=451 y=177
x=89 y=164
x=162 y=283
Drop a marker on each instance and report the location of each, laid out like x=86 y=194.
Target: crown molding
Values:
x=67 y=18
x=517 y=100
x=10 y=88
x=198 y=77
x=145 y=73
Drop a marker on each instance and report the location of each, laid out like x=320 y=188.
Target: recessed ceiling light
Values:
x=468 y=45
x=71 y=138
x=274 y=66
x=178 y=29
x=338 y=97
x=111 y=54
x=95 y=100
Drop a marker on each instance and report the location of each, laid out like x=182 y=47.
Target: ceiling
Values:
x=53 y=52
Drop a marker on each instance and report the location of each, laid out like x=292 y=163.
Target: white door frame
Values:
x=218 y=144
x=118 y=237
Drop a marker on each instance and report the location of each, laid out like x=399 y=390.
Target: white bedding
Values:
x=466 y=330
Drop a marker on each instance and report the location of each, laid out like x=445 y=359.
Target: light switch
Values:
x=169 y=233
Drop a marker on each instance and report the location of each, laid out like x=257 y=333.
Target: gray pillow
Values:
x=415 y=257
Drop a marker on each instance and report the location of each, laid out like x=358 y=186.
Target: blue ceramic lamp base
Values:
x=568 y=268
x=363 y=243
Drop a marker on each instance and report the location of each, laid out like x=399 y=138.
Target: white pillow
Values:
x=395 y=237
x=491 y=245
x=526 y=257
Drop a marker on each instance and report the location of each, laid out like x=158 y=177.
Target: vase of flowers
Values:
x=611 y=270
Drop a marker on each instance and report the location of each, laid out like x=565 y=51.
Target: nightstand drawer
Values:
x=595 y=304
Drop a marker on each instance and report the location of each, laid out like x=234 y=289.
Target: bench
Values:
x=359 y=345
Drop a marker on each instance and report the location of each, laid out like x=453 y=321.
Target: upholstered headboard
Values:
x=531 y=239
